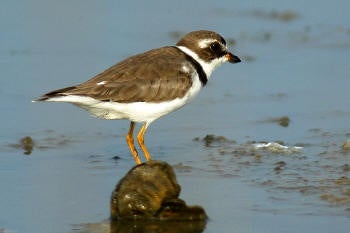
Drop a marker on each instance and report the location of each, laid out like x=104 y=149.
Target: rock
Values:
x=149 y=191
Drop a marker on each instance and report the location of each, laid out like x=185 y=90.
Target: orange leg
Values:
x=140 y=139
x=130 y=141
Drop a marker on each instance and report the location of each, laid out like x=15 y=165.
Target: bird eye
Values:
x=215 y=47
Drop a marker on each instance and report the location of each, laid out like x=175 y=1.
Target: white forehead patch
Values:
x=205 y=42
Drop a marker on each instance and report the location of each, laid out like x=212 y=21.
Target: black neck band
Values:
x=201 y=74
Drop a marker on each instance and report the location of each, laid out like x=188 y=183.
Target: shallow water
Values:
x=295 y=64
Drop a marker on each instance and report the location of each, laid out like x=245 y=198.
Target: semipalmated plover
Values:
x=149 y=85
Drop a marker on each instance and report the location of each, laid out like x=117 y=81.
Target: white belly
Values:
x=137 y=112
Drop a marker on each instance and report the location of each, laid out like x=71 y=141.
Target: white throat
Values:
x=208 y=67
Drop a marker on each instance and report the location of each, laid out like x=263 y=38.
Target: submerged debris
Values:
x=26 y=143
x=337 y=192
x=213 y=140
x=346 y=167
x=279 y=166
x=335 y=199
x=284 y=16
x=343 y=181
x=282 y=121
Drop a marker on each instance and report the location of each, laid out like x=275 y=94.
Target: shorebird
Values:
x=146 y=86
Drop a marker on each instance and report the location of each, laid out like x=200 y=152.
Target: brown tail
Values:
x=55 y=93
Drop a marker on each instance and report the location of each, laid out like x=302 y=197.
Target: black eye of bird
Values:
x=215 y=47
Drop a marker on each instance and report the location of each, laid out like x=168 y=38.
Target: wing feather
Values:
x=154 y=76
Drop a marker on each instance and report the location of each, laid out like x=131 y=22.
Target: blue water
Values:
x=299 y=69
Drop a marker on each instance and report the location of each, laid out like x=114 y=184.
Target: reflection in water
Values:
x=158 y=226
x=144 y=226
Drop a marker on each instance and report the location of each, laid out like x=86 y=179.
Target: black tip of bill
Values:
x=232 y=58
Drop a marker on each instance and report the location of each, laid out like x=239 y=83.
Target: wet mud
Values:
x=322 y=178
